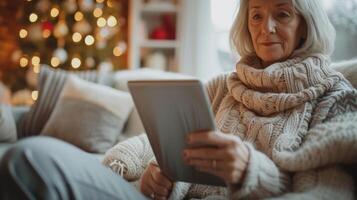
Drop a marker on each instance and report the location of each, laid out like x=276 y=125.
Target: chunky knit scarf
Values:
x=281 y=102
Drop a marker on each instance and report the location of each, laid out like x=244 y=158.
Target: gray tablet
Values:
x=170 y=109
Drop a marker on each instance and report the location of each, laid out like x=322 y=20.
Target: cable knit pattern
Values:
x=298 y=120
x=135 y=153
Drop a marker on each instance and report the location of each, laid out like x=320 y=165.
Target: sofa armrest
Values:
x=19 y=112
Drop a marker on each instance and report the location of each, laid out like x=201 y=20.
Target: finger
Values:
x=229 y=177
x=211 y=138
x=158 y=189
x=153 y=195
x=205 y=153
x=209 y=170
x=147 y=189
x=220 y=174
x=161 y=179
x=208 y=164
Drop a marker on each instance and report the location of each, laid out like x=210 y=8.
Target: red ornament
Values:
x=168 y=22
x=159 y=33
x=47 y=26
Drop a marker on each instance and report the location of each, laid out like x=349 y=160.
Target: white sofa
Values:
x=134 y=126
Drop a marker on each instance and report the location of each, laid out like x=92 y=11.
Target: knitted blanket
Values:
x=297 y=119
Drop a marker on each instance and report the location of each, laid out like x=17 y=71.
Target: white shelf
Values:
x=163 y=44
x=159 y=7
x=144 y=17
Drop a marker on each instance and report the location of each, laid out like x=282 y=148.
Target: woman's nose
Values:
x=269 y=25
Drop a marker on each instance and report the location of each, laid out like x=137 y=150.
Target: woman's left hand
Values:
x=217 y=153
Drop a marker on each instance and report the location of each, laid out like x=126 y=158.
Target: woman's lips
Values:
x=269 y=43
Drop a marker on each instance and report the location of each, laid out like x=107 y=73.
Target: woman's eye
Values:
x=283 y=15
x=256 y=17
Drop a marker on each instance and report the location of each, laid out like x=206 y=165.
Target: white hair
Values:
x=320 y=37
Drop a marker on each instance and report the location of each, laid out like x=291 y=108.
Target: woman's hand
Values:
x=154 y=184
x=217 y=153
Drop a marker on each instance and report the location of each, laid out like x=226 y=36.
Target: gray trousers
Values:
x=47 y=168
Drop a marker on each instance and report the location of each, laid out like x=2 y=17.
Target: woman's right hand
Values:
x=155 y=184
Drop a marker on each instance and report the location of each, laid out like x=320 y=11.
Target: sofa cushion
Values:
x=50 y=85
x=19 y=112
x=348 y=69
x=7 y=124
x=4 y=147
x=89 y=115
x=134 y=125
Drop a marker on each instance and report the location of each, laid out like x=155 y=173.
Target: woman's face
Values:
x=275 y=28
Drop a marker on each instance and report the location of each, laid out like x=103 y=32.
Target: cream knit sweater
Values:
x=298 y=119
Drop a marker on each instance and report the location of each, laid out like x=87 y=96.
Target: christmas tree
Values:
x=72 y=35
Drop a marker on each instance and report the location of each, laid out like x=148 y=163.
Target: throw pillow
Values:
x=7 y=124
x=50 y=84
x=134 y=125
x=121 y=78
x=89 y=115
x=348 y=69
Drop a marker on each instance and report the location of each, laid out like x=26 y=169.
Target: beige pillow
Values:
x=348 y=69
x=7 y=124
x=121 y=78
x=89 y=115
x=134 y=125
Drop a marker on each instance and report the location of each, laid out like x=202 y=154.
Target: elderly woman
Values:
x=282 y=88
x=280 y=115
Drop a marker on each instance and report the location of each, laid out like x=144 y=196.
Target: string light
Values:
x=76 y=63
x=54 y=12
x=34 y=95
x=24 y=62
x=89 y=40
x=76 y=37
x=23 y=33
x=117 y=51
x=35 y=61
x=55 y=61
x=97 y=12
x=101 y=22
x=33 y=17
x=112 y=21
x=78 y=16
x=36 y=69
x=109 y=3
x=46 y=33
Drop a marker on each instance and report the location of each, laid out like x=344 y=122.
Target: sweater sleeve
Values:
x=262 y=178
x=324 y=183
x=130 y=157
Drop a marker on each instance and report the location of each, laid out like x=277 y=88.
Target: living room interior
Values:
x=187 y=37
x=109 y=42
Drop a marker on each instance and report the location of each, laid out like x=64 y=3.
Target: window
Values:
x=342 y=15
x=222 y=15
